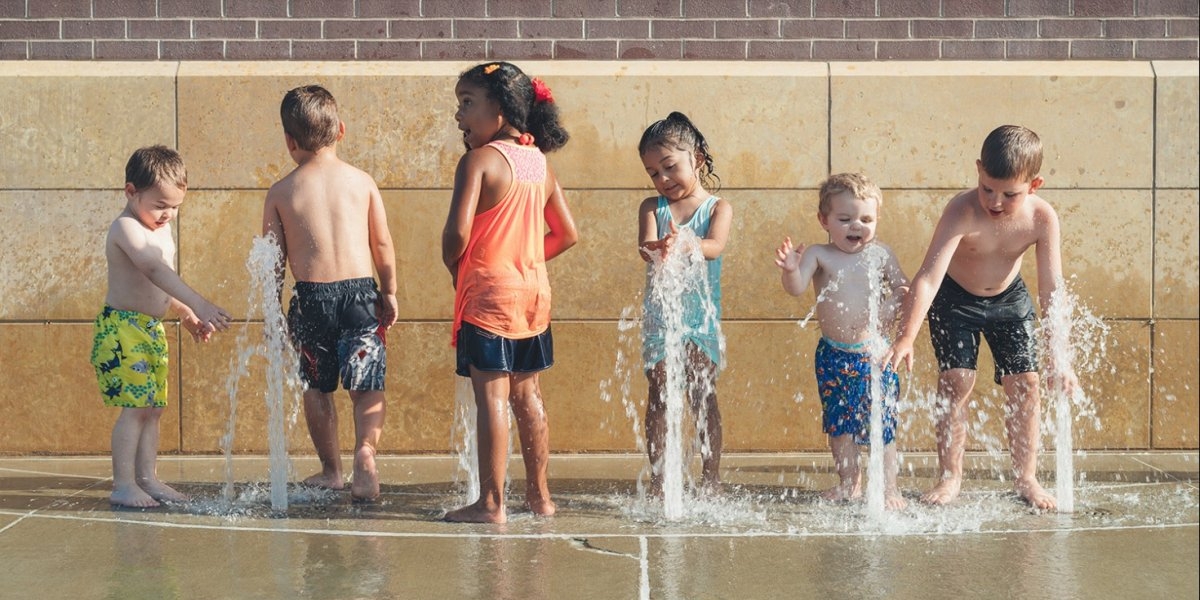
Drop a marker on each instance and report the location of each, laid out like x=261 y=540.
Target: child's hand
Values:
x=211 y=315
x=662 y=246
x=1063 y=380
x=900 y=352
x=787 y=257
x=388 y=308
x=200 y=332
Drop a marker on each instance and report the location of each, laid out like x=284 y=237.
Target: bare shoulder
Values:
x=649 y=204
x=722 y=206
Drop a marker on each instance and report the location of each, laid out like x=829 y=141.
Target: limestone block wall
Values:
x=1121 y=168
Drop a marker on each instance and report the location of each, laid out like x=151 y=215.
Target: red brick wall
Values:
x=820 y=30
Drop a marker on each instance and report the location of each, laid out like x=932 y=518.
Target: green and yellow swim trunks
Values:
x=129 y=353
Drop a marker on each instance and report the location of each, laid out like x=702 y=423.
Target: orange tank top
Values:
x=502 y=282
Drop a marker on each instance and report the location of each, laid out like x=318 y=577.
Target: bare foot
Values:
x=161 y=491
x=1035 y=494
x=365 y=485
x=132 y=496
x=542 y=508
x=843 y=492
x=892 y=500
x=712 y=489
x=943 y=493
x=329 y=482
x=476 y=513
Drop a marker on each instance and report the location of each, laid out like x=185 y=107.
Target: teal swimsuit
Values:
x=702 y=324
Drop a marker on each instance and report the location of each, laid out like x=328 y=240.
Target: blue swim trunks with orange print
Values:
x=844 y=381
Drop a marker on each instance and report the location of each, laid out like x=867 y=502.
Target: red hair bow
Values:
x=541 y=91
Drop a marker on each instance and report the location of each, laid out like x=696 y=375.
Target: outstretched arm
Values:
x=273 y=226
x=130 y=237
x=648 y=242
x=1051 y=289
x=946 y=237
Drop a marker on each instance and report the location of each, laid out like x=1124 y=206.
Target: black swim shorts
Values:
x=487 y=351
x=337 y=333
x=1007 y=321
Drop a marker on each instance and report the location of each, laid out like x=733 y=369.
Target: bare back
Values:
x=323 y=213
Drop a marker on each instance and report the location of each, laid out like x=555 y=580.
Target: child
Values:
x=129 y=350
x=329 y=221
x=680 y=165
x=970 y=284
x=495 y=245
x=842 y=272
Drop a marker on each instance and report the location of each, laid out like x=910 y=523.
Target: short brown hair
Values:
x=309 y=115
x=856 y=183
x=1012 y=152
x=152 y=165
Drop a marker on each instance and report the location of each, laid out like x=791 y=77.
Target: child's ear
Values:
x=341 y=130
x=290 y=142
x=1037 y=182
x=129 y=190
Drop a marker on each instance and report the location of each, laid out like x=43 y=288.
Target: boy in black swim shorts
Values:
x=970 y=285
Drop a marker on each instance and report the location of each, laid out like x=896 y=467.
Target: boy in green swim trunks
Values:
x=129 y=351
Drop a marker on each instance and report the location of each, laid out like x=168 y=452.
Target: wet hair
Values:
x=153 y=165
x=1012 y=152
x=676 y=132
x=309 y=115
x=513 y=90
x=856 y=184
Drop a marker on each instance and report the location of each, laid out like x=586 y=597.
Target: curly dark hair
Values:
x=512 y=89
x=677 y=131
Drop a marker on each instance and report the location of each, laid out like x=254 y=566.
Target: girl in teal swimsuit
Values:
x=677 y=159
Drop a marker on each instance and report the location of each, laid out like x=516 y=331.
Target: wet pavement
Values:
x=1134 y=534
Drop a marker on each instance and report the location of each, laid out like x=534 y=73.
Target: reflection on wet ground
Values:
x=1133 y=534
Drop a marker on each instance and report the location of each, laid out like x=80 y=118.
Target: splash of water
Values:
x=1076 y=341
x=263 y=264
x=679 y=274
x=876 y=259
x=462 y=436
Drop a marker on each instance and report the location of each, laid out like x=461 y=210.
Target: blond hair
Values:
x=856 y=184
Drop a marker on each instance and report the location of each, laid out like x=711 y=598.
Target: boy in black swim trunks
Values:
x=970 y=285
x=329 y=221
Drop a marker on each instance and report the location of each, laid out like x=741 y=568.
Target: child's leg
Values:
x=534 y=430
x=1023 y=425
x=703 y=391
x=892 y=499
x=656 y=426
x=320 y=415
x=146 y=467
x=369 y=410
x=954 y=388
x=491 y=429
x=126 y=435
x=845 y=460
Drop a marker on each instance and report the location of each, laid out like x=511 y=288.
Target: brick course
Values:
x=795 y=30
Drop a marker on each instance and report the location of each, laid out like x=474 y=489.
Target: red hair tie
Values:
x=541 y=92
x=525 y=139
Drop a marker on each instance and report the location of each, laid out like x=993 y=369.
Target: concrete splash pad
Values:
x=1134 y=534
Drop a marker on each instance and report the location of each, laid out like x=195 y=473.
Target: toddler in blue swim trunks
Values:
x=846 y=272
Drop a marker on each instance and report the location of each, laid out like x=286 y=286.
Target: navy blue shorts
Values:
x=1007 y=321
x=487 y=351
x=335 y=330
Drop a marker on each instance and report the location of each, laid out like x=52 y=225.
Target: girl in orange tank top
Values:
x=507 y=218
